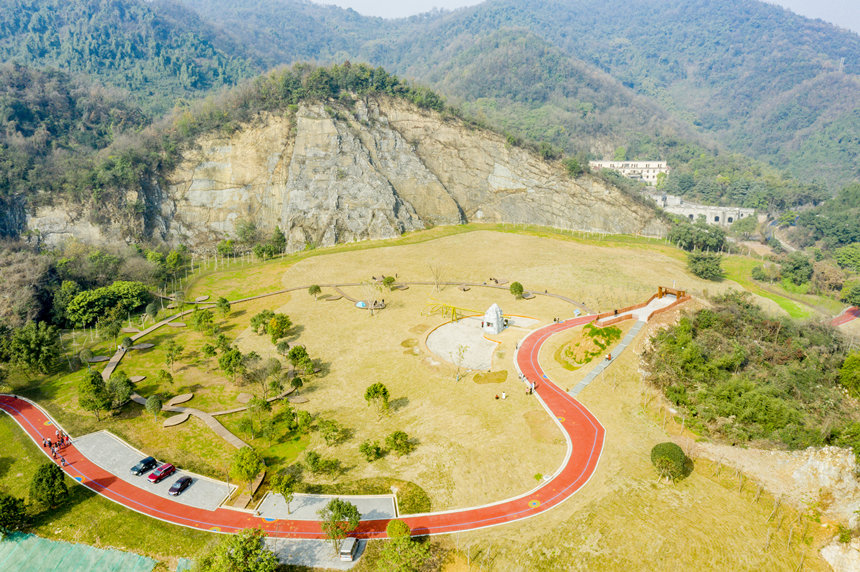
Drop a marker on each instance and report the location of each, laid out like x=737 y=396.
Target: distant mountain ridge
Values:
x=741 y=71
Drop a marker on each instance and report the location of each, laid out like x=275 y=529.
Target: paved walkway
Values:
x=604 y=363
x=305 y=507
x=311 y=553
x=208 y=419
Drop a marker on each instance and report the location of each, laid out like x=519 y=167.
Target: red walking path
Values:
x=582 y=431
x=851 y=313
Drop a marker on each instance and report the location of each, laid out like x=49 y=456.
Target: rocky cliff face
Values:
x=328 y=174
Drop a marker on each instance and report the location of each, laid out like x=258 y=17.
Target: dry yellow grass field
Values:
x=472 y=448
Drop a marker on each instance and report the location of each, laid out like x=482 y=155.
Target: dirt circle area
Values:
x=463 y=343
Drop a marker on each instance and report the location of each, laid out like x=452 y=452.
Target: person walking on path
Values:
x=44 y=442
x=63 y=461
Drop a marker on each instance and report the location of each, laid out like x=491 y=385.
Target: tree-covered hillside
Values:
x=49 y=123
x=158 y=52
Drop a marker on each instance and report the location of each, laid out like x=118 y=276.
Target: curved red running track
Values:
x=583 y=433
x=850 y=314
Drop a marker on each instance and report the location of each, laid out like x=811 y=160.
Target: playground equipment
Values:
x=436 y=308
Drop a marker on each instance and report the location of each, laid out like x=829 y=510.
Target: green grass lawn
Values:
x=738 y=268
x=793 y=299
x=87 y=517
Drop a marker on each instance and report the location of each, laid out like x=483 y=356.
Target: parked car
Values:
x=144 y=466
x=348 y=548
x=180 y=485
x=161 y=473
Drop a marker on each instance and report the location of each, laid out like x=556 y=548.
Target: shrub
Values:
x=705 y=265
x=399 y=443
x=669 y=460
x=371 y=450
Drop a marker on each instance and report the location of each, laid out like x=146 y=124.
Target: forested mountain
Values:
x=49 y=125
x=158 y=52
x=701 y=84
x=760 y=79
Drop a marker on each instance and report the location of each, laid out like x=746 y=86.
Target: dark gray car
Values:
x=144 y=466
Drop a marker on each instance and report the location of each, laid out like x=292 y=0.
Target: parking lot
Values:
x=118 y=457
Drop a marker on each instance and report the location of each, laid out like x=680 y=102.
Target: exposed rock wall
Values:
x=334 y=173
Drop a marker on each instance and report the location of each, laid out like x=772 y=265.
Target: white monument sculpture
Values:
x=494 y=322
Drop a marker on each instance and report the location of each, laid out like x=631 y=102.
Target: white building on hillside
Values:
x=645 y=171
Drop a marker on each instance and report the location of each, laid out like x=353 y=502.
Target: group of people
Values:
x=61 y=441
x=530 y=385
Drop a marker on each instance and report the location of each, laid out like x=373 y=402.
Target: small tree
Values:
x=163 y=377
x=284 y=484
x=260 y=321
x=332 y=431
x=278 y=327
x=243 y=552
x=517 y=290
x=296 y=383
x=202 y=320
x=313 y=461
x=231 y=363
x=669 y=460
x=247 y=464
x=153 y=405
x=223 y=306
x=377 y=394
x=173 y=351
x=314 y=291
x=48 y=485
x=85 y=355
x=110 y=328
x=399 y=443
x=13 y=513
x=259 y=407
x=283 y=347
x=297 y=354
x=388 y=282
x=92 y=394
x=127 y=342
x=152 y=310
x=339 y=518
x=119 y=388
x=371 y=450
x=304 y=420
x=222 y=343
x=208 y=350
x=401 y=553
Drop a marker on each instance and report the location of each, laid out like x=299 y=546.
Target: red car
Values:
x=161 y=473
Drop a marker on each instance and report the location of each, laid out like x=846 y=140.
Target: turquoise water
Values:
x=29 y=553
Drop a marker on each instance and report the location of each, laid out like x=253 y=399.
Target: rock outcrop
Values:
x=377 y=168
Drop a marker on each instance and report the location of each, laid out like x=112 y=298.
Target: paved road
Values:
x=583 y=433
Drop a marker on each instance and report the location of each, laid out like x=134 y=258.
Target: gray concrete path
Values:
x=604 y=363
x=118 y=457
x=210 y=421
x=305 y=507
x=311 y=553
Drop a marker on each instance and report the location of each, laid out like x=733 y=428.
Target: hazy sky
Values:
x=844 y=13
